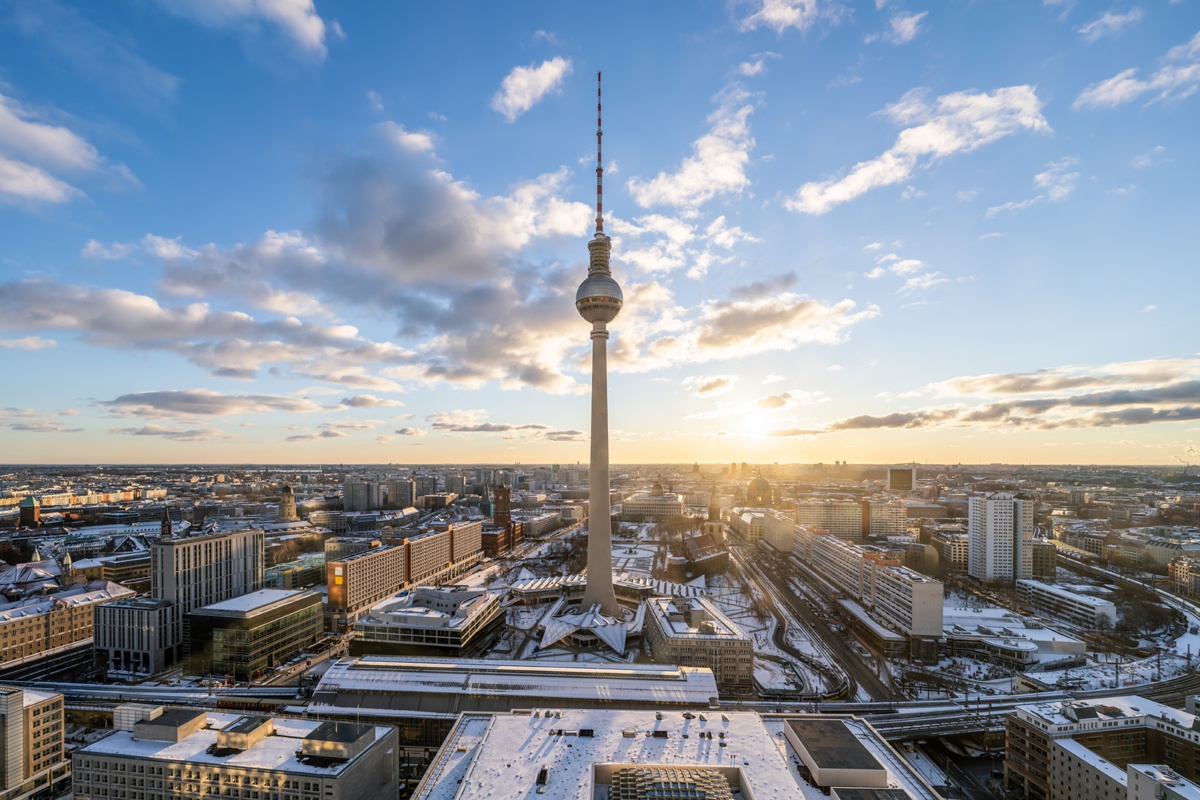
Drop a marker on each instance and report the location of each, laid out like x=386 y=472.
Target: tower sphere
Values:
x=599 y=298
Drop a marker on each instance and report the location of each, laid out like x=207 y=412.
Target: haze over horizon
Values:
x=875 y=232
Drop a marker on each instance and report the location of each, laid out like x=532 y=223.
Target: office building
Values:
x=1081 y=609
x=692 y=632
x=1000 y=537
x=656 y=505
x=876 y=583
x=194 y=755
x=777 y=530
x=400 y=493
x=451 y=618
x=853 y=520
x=361 y=495
x=245 y=637
x=1109 y=747
x=423 y=485
x=358 y=581
x=145 y=635
x=33 y=762
x=902 y=479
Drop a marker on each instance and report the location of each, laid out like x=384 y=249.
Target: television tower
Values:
x=598 y=301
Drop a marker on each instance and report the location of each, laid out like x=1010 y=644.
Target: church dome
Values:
x=758 y=492
x=656 y=490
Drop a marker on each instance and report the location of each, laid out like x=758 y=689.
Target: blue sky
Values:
x=305 y=231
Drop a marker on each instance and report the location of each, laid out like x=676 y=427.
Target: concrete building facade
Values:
x=1000 y=537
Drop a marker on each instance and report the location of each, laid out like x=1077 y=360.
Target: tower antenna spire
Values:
x=599 y=163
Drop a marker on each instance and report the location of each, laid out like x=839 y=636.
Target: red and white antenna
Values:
x=599 y=164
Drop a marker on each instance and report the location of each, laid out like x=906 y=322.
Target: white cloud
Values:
x=716 y=166
x=1177 y=79
x=522 y=88
x=902 y=29
x=411 y=141
x=774 y=377
x=297 y=19
x=956 y=123
x=375 y=101
x=113 y=252
x=779 y=15
x=752 y=68
x=36 y=157
x=27 y=343
x=1110 y=23
x=1149 y=158
x=1055 y=185
x=174 y=434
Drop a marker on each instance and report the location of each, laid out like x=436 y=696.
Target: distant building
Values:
x=692 y=632
x=1081 y=609
x=657 y=505
x=1000 y=531
x=191 y=755
x=30 y=514
x=902 y=479
x=287 y=505
x=758 y=493
x=1045 y=560
x=400 y=493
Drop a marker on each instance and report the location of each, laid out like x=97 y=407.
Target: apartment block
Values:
x=41 y=623
x=32 y=762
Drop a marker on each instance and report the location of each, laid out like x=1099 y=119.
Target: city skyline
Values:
x=875 y=233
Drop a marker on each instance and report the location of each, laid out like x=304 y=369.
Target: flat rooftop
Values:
x=832 y=745
x=560 y=756
x=439 y=686
x=276 y=753
x=252 y=602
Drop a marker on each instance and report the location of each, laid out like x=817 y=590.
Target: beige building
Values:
x=1120 y=748
x=656 y=505
x=361 y=580
x=32 y=758
x=190 y=754
x=692 y=632
x=38 y=624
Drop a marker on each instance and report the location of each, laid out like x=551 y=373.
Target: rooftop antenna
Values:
x=599 y=164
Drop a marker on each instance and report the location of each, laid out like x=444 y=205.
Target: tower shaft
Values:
x=599 y=589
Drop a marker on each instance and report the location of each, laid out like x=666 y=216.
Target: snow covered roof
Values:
x=277 y=753
x=571 y=753
x=389 y=680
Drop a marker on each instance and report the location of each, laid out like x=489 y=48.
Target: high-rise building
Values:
x=599 y=300
x=424 y=484
x=1000 y=537
x=400 y=493
x=31 y=735
x=144 y=635
x=902 y=479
